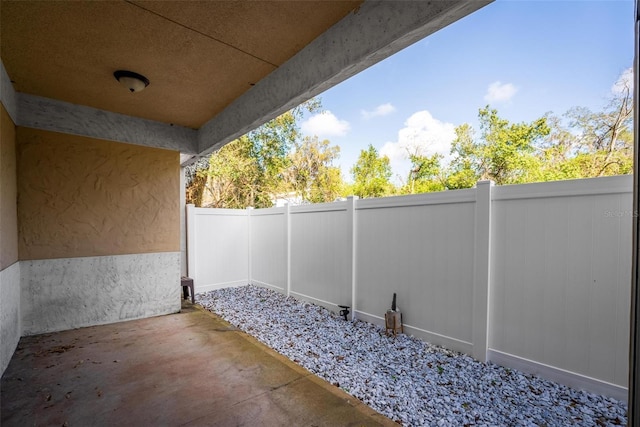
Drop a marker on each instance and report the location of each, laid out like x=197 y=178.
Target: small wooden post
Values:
x=393 y=322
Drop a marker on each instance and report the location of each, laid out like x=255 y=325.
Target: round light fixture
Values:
x=134 y=82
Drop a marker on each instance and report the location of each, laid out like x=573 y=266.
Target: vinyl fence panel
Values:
x=422 y=250
x=218 y=248
x=268 y=230
x=320 y=261
x=561 y=278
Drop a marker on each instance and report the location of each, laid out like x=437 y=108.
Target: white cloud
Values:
x=325 y=124
x=422 y=135
x=498 y=92
x=380 y=110
x=624 y=81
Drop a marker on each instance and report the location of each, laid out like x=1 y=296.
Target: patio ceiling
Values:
x=199 y=58
x=219 y=67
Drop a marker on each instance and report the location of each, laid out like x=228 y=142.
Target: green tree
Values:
x=272 y=142
x=371 y=174
x=462 y=171
x=311 y=174
x=425 y=175
x=250 y=171
x=592 y=144
x=233 y=177
x=579 y=144
x=505 y=152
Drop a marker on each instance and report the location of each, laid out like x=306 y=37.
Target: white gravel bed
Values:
x=404 y=378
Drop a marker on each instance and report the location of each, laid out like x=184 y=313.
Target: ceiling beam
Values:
x=375 y=31
x=59 y=116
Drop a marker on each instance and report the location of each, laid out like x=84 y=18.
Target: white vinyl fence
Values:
x=534 y=277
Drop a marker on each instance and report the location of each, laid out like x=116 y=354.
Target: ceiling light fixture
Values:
x=134 y=82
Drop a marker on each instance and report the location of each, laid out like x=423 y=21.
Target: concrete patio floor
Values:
x=185 y=369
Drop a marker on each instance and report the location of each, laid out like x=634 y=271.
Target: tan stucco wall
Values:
x=8 y=210
x=81 y=197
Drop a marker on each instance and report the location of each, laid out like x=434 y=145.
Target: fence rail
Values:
x=535 y=277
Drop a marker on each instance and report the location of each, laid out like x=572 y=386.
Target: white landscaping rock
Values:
x=404 y=378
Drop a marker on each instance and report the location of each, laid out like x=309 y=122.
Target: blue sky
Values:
x=524 y=58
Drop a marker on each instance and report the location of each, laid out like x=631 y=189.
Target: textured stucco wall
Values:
x=8 y=212
x=10 y=329
x=80 y=197
x=60 y=294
